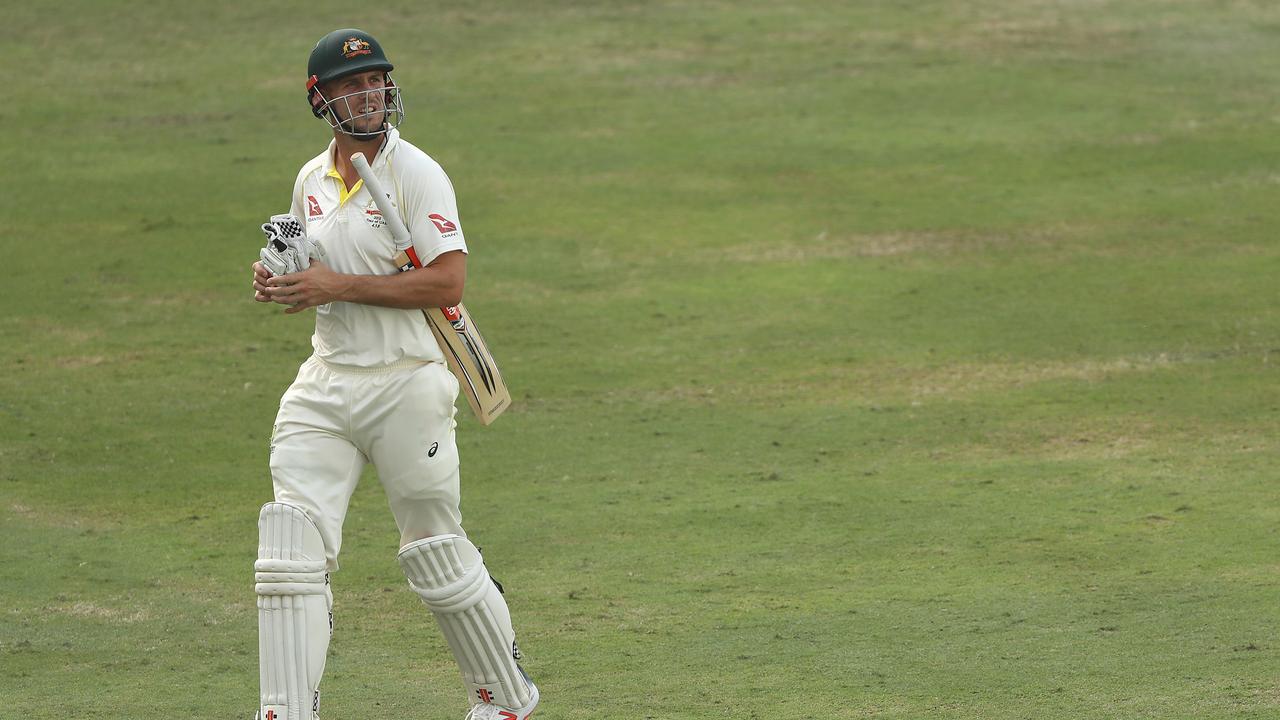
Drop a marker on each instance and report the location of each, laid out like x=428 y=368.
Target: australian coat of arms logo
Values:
x=355 y=46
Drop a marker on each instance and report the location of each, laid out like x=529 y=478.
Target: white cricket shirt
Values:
x=357 y=241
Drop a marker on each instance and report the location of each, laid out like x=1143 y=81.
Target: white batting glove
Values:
x=288 y=250
x=278 y=259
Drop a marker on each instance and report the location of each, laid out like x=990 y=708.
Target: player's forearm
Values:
x=422 y=288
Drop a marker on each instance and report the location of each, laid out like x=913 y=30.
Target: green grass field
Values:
x=872 y=359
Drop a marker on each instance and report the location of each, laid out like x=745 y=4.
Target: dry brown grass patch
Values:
x=843 y=246
x=94 y=611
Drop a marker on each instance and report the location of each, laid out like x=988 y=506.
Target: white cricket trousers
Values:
x=334 y=419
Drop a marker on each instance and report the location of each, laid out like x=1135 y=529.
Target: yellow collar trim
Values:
x=343 y=192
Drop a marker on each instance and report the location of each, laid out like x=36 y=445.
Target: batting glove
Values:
x=288 y=249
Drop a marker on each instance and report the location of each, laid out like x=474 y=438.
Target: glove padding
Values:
x=288 y=250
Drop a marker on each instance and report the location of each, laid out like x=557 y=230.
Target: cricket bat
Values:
x=464 y=349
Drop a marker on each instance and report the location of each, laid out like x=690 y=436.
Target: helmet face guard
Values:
x=347 y=113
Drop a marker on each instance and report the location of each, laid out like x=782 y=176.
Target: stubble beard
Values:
x=366 y=127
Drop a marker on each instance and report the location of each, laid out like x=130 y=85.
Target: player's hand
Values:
x=314 y=286
x=260 y=278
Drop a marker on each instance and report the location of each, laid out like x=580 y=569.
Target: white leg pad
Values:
x=449 y=575
x=294 y=613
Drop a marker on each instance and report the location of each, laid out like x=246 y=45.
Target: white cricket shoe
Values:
x=484 y=711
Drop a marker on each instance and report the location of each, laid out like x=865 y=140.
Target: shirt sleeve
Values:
x=296 y=206
x=431 y=212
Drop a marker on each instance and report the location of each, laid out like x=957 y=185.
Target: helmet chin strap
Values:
x=366 y=137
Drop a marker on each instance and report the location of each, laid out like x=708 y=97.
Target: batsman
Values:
x=375 y=389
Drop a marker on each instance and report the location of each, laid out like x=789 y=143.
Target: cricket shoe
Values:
x=484 y=711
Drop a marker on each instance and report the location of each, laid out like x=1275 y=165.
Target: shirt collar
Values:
x=388 y=147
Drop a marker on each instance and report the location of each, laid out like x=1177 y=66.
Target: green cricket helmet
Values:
x=341 y=53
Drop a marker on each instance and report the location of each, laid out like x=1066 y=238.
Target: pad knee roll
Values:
x=294 y=612
x=447 y=572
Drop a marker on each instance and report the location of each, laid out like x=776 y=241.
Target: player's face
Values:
x=359 y=100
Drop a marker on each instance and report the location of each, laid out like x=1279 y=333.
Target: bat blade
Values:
x=470 y=361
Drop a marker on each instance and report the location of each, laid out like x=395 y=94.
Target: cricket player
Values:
x=375 y=389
